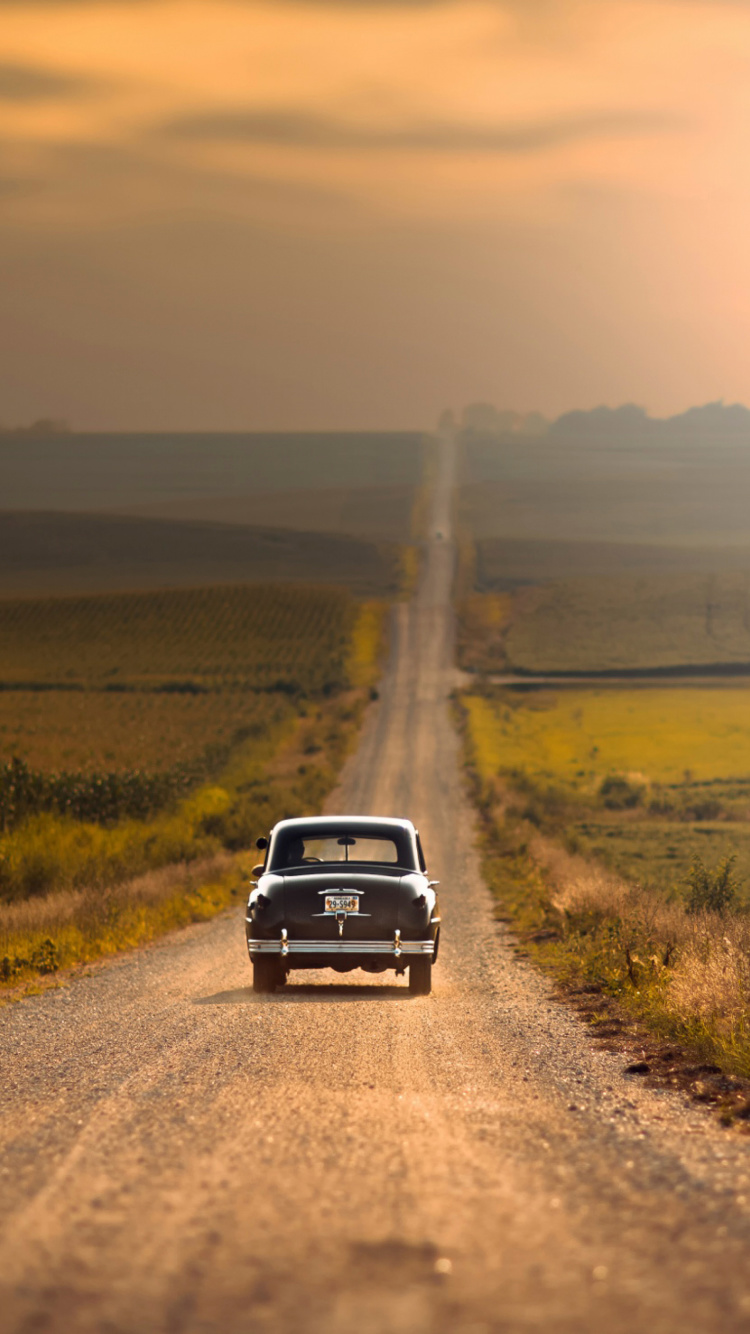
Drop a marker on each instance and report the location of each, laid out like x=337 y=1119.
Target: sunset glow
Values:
x=361 y=212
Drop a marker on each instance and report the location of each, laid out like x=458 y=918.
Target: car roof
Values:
x=330 y=823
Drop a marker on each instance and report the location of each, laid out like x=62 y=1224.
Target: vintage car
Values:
x=342 y=892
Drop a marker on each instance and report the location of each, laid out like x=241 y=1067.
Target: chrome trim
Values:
x=346 y=910
x=396 y=948
x=284 y=942
x=343 y=889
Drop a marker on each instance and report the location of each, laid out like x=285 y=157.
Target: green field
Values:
x=615 y=837
x=642 y=779
x=658 y=734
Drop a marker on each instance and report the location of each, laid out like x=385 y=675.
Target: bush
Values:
x=715 y=891
x=706 y=809
x=618 y=794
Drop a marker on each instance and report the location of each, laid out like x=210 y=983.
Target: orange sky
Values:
x=301 y=214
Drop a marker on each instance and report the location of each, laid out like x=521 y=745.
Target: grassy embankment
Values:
x=242 y=702
x=599 y=809
x=602 y=807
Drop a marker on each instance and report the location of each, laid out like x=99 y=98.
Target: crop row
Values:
x=102 y=798
x=290 y=638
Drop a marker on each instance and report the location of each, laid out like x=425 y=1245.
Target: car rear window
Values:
x=293 y=848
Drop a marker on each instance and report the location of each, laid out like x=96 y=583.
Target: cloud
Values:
x=31 y=83
x=297 y=129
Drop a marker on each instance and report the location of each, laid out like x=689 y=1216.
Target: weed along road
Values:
x=178 y=1154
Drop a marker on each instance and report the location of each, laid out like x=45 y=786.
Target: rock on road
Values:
x=178 y=1154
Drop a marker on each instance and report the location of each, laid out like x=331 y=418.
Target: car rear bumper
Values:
x=338 y=948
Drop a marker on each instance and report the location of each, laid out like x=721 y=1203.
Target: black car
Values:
x=343 y=892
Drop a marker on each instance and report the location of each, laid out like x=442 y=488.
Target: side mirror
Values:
x=261 y=844
x=257 y=871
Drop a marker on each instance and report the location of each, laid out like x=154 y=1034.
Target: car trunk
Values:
x=380 y=895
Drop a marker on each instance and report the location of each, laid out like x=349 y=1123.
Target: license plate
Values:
x=341 y=903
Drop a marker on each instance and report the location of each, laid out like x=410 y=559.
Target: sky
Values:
x=222 y=214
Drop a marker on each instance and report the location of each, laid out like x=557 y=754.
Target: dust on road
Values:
x=181 y=1155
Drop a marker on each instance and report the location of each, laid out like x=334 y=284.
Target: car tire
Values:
x=420 y=976
x=266 y=976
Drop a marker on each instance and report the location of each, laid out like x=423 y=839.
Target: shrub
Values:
x=706 y=809
x=618 y=794
x=715 y=891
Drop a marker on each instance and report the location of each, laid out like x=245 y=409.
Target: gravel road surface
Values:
x=181 y=1155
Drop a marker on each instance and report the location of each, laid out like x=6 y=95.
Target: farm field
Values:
x=146 y=731
x=632 y=622
x=643 y=779
x=682 y=492
x=90 y=731
x=627 y=623
x=376 y=513
x=106 y=471
x=505 y=564
x=266 y=637
x=59 y=553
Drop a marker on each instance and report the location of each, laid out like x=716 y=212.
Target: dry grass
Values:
x=367 y=645
x=43 y=936
x=689 y=973
x=483 y=620
x=685 y=974
x=631 y=622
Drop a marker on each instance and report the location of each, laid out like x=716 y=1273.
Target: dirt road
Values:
x=180 y=1155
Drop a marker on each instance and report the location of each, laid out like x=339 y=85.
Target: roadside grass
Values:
x=628 y=929
x=483 y=621
x=41 y=936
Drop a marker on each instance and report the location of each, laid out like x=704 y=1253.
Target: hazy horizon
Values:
x=626 y=417
x=235 y=215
